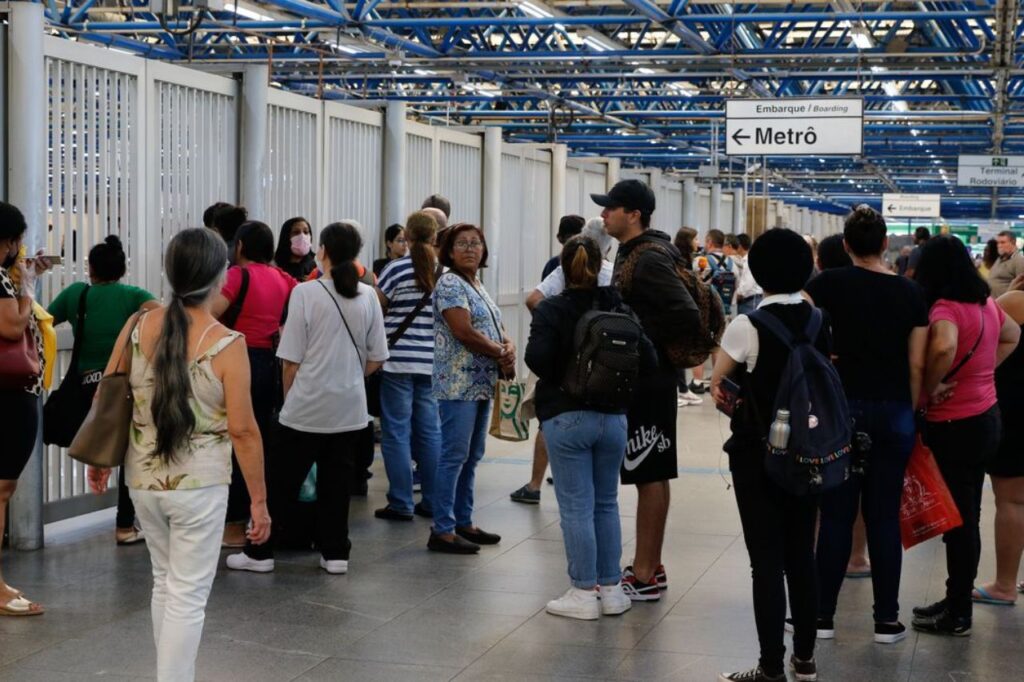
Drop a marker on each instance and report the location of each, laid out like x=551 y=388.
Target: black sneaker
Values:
x=526 y=496
x=932 y=610
x=804 y=671
x=826 y=628
x=753 y=675
x=944 y=624
x=638 y=590
x=886 y=633
x=696 y=387
x=389 y=514
x=457 y=546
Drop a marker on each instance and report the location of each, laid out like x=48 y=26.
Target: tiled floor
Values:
x=406 y=614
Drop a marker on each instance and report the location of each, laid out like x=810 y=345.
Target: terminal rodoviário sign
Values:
x=990 y=171
x=832 y=126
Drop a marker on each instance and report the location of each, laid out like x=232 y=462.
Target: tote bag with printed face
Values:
x=508 y=422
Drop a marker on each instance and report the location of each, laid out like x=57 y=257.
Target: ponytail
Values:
x=420 y=229
x=346 y=279
x=194 y=263
x=581 y=262
x=342 y=243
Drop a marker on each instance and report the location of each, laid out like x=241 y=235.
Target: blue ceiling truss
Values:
x=642 y=80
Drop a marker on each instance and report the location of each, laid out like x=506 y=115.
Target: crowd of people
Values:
x=257 y=381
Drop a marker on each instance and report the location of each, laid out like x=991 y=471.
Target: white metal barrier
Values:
x=294 y=161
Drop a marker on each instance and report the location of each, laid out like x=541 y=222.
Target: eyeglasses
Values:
x=401 y=240
x=467 y=246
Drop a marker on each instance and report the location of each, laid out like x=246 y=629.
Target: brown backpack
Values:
x=693 y=348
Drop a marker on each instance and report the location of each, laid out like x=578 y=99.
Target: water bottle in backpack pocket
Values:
x=605 y=365
x=808 y=445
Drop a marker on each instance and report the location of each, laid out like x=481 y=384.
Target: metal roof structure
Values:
x=642 y=80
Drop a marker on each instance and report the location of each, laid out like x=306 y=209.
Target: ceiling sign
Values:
x=990 y=171
x=831 y=126
x=911 y=206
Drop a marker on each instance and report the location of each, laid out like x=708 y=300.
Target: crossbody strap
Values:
x=344 y=321
x=394 y=337
x=970 y=354
x=230 y=316
x=79 y=334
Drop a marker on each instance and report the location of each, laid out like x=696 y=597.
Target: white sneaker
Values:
x=613 y=600
x=334 y=566
x=688 y=398
x=243 y=562
x=576 y=603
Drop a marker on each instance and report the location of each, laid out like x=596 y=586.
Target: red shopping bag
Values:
x=926 y=509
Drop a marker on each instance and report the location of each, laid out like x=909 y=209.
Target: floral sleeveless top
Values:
x=206 y=461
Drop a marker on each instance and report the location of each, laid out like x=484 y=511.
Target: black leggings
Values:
x=962 y=448
x=266 y=391
x=778 y=529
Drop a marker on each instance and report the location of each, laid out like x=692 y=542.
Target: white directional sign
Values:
x=990 y=171
x=831 y=126
x=911 y=206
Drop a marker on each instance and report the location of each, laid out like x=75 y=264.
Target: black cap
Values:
x=629 y=194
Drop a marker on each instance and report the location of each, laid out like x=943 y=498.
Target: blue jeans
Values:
x=878 y=491
x=586 y=450
x=410 y=429
x=464 y=426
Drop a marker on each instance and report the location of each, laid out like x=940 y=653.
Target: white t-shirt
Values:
x=746 y=285
x=554 y=284
x=740 y=340
x=328 y=394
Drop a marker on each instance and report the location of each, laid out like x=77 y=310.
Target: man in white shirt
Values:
x=748 y=294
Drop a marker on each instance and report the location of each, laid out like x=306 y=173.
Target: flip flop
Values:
x=19 y=606
x=859 y=574
x=981 y=596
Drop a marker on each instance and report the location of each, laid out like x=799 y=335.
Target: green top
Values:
x=107 y=307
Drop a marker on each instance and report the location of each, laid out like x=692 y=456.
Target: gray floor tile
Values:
x=365 y=671
x=534 y=658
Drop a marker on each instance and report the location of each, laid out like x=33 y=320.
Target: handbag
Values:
x=927 y=508
x=19 y=361
x=65 y=409
x=102 y=440
x=508 y=422
x=373 y=381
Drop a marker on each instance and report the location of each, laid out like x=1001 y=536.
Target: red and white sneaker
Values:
x=660 y=577
x=638 y=590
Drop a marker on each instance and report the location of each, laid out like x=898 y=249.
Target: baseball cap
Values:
x=630 y=194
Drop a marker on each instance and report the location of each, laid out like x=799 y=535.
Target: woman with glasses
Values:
x=470 y=349
x=396 y=246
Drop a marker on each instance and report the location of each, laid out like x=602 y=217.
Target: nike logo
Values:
x=631 y=464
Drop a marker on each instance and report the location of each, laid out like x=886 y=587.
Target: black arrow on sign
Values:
x=736 y=137
x=892 y=208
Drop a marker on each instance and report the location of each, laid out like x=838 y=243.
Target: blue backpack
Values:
x=723 y=278
x=819 y=451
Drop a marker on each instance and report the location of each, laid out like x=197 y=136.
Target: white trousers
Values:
x=184 y=529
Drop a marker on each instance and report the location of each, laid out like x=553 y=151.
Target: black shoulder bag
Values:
x=67 y=406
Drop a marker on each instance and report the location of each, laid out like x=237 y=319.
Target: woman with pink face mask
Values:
x=294 y=252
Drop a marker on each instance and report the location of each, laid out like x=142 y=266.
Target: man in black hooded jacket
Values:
x=652 y=288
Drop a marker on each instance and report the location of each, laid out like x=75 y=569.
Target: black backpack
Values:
x=819 y=451
x=605 y=366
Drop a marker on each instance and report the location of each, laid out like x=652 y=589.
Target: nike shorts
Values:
x=651 y=437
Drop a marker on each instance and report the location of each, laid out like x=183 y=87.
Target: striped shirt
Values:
x=414 y=352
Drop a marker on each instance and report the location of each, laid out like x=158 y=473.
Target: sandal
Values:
x=129 y=536
x=20 y=606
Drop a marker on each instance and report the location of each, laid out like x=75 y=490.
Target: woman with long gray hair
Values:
x=190 y=383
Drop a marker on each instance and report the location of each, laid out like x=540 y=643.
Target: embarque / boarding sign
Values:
x=832 y=126
x=990 y=171
x=911 y=205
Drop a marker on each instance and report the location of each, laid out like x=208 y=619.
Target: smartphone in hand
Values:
x=731 y=390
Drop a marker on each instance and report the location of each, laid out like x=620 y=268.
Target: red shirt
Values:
x=975 y=390
x=269 y=289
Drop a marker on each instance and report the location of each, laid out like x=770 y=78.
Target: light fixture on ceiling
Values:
x=535 y=9
x=861 y=37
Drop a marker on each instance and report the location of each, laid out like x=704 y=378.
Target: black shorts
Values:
x=19 y=410
x=651 y=436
